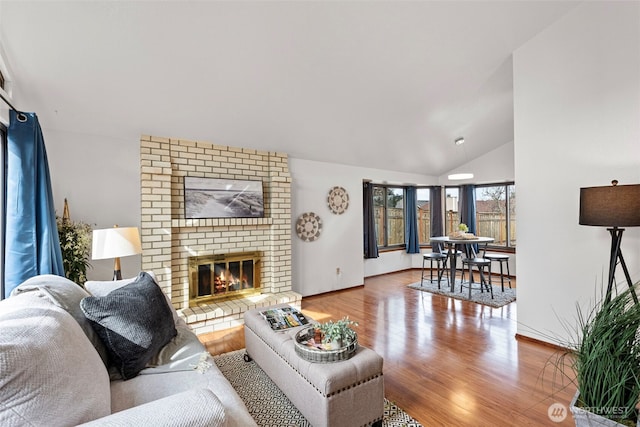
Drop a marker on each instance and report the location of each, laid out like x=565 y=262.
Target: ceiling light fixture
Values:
x=459 y=176
x=464 y=175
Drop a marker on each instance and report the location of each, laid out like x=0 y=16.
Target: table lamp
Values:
x=612 y=206
x=116 y=242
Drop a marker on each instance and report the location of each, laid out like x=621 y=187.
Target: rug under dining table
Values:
x=499 y=298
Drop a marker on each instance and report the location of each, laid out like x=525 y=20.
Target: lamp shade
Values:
x=115 y=242
x=610 y=206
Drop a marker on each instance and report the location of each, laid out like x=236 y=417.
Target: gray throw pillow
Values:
x=134 y=323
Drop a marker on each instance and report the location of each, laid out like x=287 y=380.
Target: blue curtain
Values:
x=32 y=246
x=468 y=209
x=411 y=222
x=370 y=242
x=437 y=227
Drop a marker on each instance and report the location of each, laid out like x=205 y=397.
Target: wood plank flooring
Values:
x=446 y=362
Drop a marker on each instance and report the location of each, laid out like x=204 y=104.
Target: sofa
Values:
x=111 y=354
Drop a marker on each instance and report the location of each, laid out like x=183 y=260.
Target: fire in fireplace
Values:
x=214 y=277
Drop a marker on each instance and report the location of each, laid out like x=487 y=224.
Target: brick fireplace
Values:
x=169 y=239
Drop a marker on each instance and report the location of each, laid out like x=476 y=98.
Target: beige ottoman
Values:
x=348 y=393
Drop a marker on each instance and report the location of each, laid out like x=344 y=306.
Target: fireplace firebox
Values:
x=225 y=276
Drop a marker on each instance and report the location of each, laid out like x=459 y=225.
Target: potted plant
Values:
x=338 y=334
x=605 y=357
x=75 y=244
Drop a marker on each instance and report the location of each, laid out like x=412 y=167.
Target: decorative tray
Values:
x=463 y=236
x=308 y=350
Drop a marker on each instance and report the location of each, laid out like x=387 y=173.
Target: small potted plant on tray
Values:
x=337 y=334
x=331 y=341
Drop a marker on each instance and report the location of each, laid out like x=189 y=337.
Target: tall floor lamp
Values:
x=612 y=206
x=116 y=242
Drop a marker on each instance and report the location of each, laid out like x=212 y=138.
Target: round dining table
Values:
x=451 y=243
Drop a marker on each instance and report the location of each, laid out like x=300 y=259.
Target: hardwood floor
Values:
x=446 y=362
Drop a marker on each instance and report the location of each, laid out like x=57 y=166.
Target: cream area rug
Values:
x=269 y=407
x=499 y=298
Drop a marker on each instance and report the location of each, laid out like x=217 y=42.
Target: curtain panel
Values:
x=411 y=222
x=437 y=226
x=370 y=242
x=32 y=246
x=468 y=209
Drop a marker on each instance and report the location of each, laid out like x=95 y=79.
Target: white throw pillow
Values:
x=50 y=374
x=67 y=295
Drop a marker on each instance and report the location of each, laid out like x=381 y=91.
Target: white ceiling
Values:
x=379 y=84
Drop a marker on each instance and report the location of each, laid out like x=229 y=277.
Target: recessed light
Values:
x=459 y=141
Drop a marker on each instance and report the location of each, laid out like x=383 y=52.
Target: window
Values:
x=388 y=203
x=451 y=214
x=496 y=213
x=424 y=215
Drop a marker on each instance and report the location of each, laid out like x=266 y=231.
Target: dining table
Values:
x=452 y=243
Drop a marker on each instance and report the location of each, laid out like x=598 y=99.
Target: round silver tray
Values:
x=317 y=355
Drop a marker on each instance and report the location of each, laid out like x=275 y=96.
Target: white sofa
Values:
x=54 y=364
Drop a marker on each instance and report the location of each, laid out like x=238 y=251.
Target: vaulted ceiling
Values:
x=379 y=84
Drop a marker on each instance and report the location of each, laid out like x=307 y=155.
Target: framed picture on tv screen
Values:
x=222 y=198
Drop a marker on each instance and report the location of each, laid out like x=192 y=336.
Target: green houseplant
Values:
x=605 y=357
x=338 y=332
x=75 y=243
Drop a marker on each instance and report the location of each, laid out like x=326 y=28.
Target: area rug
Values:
x=499 y=298
x=269 y=407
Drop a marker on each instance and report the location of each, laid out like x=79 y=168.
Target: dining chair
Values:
x=501 y=259
x=480 y=264
x=459 y=267
x=441 y=265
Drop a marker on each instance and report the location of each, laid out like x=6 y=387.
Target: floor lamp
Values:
x=116 y=242
x=613 y=207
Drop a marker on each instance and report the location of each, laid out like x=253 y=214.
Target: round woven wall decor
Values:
x=309 y=226
x=338 y=200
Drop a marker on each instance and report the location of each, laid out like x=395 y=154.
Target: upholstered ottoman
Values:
x=347 y=393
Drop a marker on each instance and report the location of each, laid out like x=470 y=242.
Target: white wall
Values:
x=100 y=178
x=340 y=245
x=492 y=167
x=577 y=124
x=101 y=182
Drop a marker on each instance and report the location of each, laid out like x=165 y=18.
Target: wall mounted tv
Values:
x=222 y=198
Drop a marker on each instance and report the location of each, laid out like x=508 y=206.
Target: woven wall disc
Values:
x=338 y=200
x=309 y=226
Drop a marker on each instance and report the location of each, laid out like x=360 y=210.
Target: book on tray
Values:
x=284 y=318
